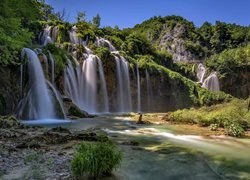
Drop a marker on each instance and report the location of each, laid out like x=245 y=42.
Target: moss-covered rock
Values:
x=9 y=122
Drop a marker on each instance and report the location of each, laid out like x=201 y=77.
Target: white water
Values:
x=54 y=33
x=212 y=82
x=149 y=90
x=58 y=99
x=38 y=99
x=52 y=63
x=81 y=85
x=123 y=89
x=74 y=39
x=46 y=36
x=201 y=71
x=104 y=42
x=138 y=89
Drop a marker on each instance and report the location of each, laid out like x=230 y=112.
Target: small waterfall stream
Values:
x=211 y=82
x=149 y=91
x=138 y=89
x=201 y=71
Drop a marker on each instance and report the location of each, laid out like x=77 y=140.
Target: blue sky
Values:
x=127 y=13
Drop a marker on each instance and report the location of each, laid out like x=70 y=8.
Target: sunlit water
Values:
x=164 y=153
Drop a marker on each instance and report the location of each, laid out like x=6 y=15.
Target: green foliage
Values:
x=32 y=157
x=75 y=111
x=234 y=129
x=12 y=39
x=95 y=159
x=85 y=29
x=81 y=16
x=137 y=44
x=96 y=20
x=16 y=17
x=230 y=60
x=103 y=53
x=60 y=56
x=232 y=116
x=185 y=69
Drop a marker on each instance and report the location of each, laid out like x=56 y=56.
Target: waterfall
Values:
x=58 y=97
x=103 y=86
x=138 y=89
x=123 y=81
x=104 y=42
x=201 y=71
x=21 y=79
x=38 y=100
x=54 y=33
x=212 y=83
x=149 y=90
x=74 y=39
x=46 y=36
x=81 y=85
x=52 y=62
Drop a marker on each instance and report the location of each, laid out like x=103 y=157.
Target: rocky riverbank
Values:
x=38 y=153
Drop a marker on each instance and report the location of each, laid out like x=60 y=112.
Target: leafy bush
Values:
x=234 y=129
x=103 y=53
x=232 y=116
x=95 y=159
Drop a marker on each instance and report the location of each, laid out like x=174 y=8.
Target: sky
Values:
x=127 y=13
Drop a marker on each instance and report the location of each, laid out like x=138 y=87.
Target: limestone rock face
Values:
x=173 y=40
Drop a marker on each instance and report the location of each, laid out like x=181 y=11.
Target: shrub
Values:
x=95 y=159
x=234 y=129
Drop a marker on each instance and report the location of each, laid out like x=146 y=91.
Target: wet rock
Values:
x=59 y=130
x=9 y=122
x=131 y=143
x=73 y=111
x=86 y=136
x=32 y=145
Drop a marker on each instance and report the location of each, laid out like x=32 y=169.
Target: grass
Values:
x=94 y=160
x=233 y=117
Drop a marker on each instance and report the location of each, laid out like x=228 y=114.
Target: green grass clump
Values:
x=232 y=116
x=95 y=159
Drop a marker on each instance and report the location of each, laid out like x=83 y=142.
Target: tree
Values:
x=81 y=16
x=97 y=20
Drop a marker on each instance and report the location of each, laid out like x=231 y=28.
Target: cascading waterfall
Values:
x=138 y=89
x=212 y=82
x=58 y=98
x=123 y=80
x=46 y=36
x=81 y=85
x=73 y=36
x=201 y=71
x=149 y=90
x=38 y=100
x=104 y=42
x=52 y=62
x=54 y=33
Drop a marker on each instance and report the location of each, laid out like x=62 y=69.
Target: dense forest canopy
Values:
x=21 y=22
